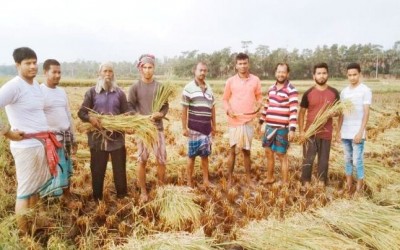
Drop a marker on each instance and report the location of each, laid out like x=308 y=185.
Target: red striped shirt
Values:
x=281 y=107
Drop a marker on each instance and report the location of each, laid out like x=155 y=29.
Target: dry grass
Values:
x=140 y=126
x=327 y=112
x=176 y=207
x=377 y=226
x=303 y=231
x=170 y=241
x=164 y=93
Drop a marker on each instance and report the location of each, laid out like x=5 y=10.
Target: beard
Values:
x=105 y=84
x=281 y=81
x=321 y=82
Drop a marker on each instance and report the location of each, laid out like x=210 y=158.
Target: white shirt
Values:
x=359 y=96
x=24 y=105
x=56 y=108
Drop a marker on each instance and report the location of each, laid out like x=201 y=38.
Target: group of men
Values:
x=42 y=133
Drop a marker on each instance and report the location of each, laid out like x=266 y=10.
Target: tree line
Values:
x=373 y=58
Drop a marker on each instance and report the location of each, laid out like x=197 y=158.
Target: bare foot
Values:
x=143 y=197
x=269 y=181
x=230 y=183
x=208 y=184
x=190 y=184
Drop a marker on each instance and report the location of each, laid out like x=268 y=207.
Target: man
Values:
x=106 y=98
x=58 y=115
x=352 y=125
x=280 y=114
x=198 y=121
x=242 y=97
x=24 y=103
x=141 y=97
x=315 y=99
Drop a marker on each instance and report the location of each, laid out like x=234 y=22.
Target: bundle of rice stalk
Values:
x=378 y=176
x=303 y=231
x=327 y=111
x=377 y=226
x=176 y=206
x=138 y=125
x=171 y=241
x=164 y=92
x=388 y=196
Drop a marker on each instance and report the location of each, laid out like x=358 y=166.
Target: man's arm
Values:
x=132 y=99
x=12 y=135
x=359 y=135
x=339 y=127
x=184 y=120
x=302 y=113
x=213 y=120
x=83 y=112
x=225 y=100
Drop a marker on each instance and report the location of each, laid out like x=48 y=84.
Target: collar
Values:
x=198 y=85
x=284 y=85
x=243 y=79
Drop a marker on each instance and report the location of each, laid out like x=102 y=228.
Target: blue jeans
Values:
x=354 y=156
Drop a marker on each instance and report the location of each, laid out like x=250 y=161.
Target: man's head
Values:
x=52 y=72
x=282 y=71
x=354 y=73
x=26 y=62
x=200 y=71
x=146 y=66
x=106 y=75
x=242 y=63
x=321 y=73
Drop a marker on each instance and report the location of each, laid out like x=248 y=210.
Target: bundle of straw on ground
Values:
x=138 y=125
x=327 y=111
x=378 y=176
x=176 y=207
x=303 y=231
x=388 y=196
x=164 y=93
x=376 y=226
x=171 y=241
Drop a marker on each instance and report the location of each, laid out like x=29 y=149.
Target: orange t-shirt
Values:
x=241 y=95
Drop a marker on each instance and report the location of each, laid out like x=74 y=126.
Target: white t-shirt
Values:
x=24 y=105
x=56 y=108
x=359 y=96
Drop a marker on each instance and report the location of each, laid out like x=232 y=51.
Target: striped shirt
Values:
x=200 y=106
x=281 y=107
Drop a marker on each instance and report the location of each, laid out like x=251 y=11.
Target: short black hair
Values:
x=282 y=64
x=48 y=63
x=319 y=66
x=354 y=66
x=197 y=64
x=241 y=56
x=23 y=53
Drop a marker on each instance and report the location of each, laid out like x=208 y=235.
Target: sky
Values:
x=122 y=30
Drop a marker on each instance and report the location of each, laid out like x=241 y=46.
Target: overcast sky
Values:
x=121 y=30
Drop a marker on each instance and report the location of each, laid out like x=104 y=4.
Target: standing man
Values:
x=280 y=114
x=141 y=96
x=24 y=103
x=242 y=97
x=352 y=125
x=58 y=115
x=198 y=121
x=315 y=99
x=106 y=98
